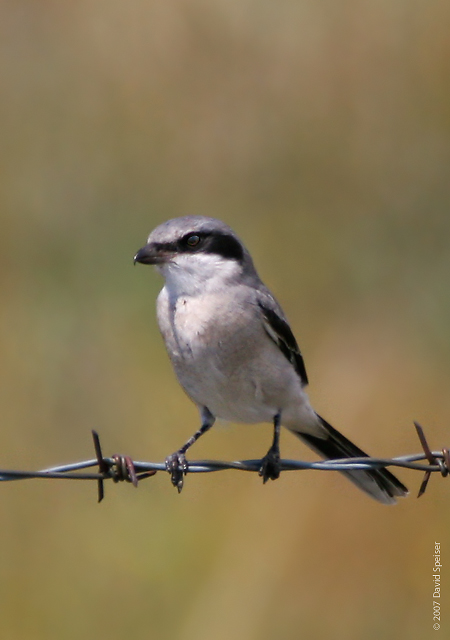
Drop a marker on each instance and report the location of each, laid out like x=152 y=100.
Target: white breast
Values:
x=224 y=359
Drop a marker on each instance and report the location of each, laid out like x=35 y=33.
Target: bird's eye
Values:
x=192 y=241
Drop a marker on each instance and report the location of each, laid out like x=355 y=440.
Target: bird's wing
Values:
x=278 y=329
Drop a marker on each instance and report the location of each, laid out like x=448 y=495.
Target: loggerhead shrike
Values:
x=233 y=350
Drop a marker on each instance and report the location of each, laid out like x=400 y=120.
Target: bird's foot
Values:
x=177 y=466
x=270 y=466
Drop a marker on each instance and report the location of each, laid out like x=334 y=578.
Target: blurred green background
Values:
x=320 y=131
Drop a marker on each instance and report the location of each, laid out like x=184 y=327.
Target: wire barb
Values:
x=124 y=470
x=441 y=462
x=102 y=466
x=121 y=468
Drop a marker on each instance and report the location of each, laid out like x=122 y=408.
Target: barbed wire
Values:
x=119 y=468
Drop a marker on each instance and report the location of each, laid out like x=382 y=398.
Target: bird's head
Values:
x=195 y=253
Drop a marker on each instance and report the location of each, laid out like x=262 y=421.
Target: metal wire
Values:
x=122 y=468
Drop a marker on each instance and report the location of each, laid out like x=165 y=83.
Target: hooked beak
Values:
x=150 y=254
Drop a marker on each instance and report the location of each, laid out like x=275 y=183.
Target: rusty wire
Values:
x=121 y=468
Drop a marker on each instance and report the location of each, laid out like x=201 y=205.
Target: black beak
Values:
x=149 y=255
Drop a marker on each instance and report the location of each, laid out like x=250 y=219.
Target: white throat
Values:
x=191 y=275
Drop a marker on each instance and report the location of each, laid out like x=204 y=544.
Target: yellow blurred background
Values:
x=320 y=131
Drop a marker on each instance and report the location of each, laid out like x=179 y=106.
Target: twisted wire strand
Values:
x=123 y=468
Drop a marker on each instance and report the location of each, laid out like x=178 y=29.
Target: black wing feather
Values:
x=280 y=332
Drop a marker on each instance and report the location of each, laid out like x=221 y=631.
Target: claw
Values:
x=177 y=466
x=270 y=466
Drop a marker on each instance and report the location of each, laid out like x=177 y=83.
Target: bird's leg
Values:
x=270 y=467
x=176 y=463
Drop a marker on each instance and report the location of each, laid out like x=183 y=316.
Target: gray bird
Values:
x=233 y=350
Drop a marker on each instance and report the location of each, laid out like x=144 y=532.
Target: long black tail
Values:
x=380 y=484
